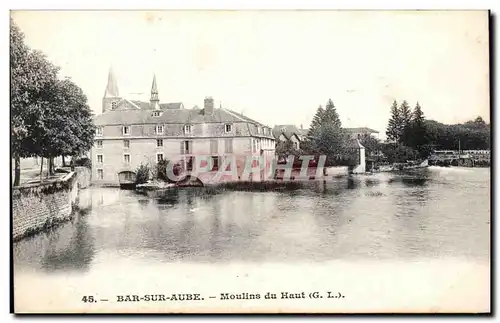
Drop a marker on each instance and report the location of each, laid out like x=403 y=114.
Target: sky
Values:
x=277 y=67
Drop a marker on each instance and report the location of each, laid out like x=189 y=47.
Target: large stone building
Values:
x=131 y=133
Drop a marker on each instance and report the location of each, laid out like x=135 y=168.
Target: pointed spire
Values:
x=154 y=100
x=112 y=87
x=154 y=90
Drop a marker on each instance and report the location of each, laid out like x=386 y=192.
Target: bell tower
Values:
x=154 y=101
x=111 y=95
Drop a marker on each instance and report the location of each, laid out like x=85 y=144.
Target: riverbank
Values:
x=39 y=206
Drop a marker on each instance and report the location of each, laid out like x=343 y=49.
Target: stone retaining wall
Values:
x=38 y=206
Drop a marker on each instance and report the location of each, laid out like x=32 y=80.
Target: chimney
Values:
x=209 y=106
x=301 y=127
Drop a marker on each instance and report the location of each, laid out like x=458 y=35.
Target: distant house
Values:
x=289 y=132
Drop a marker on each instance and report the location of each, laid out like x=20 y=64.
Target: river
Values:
x=375 y=230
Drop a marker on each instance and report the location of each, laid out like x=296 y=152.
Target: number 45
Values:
x=88 y=299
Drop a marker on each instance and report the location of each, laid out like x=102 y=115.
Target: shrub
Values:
x=142 y=174
x=83 y=161
x=161 y=170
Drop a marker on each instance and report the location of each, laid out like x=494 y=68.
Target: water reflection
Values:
x=360 y=217
x=71 y=251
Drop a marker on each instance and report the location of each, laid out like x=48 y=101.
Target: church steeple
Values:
x=112 y=87
x=154 y=100
x=111 y=95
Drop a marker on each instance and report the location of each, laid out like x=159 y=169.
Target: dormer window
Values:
x=126 y=130
x=228 y=127
x=98 y=131
x=156 y=113
x=283 y=129
x=159 y=130
x=187 y=129
x=258 y=130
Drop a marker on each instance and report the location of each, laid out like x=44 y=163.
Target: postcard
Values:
x=250 y=161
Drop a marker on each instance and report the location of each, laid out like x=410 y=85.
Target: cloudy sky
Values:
x=277 y=66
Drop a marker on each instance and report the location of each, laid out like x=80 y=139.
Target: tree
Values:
x=331 y=142
x=393 y=132
x=31 y=75
x=316 y=122
x=330 y=116
x=142 y=174
x=397 y=153
x=18 y=82
x=49 y=117
x=286 y=148
x=327 y=136
x=405 y=116
x=371 y=144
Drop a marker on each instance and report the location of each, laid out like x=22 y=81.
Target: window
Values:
x=99 y=143
x=189 y=164
x=100 y=174
x=258 y=130
x=214 y=146
x=126 y=130
x=296 y=144
x=159 y=142
x=159 y=130
x=228 y=127
x=126 y=158
x=186 y=147
x=228 y=146
x=283 y=129
x=156 y=113
x=99 y=131
x=113 y=105
x=187 y=129
x=215 y=162
x=126 y=143
x=159 y=157
x=99 y=159
x=255 y=145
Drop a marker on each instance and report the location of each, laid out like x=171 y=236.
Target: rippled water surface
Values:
x=431 y=214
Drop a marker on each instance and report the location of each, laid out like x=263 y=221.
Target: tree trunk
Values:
x=17 y=171
x=63 y=161
x=41 y=169
x=50 y=165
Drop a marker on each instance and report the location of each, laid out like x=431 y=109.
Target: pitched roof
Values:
x=145 y=105
x=288 y=130
x=361 y=130
x=172 y=113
